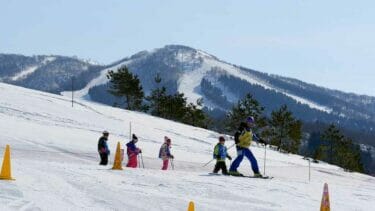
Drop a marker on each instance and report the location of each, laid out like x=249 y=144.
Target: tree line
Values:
x=281 y=129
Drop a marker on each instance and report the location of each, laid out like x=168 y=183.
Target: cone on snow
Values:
x=325 y=206
x=6 y=171
x=191 y=206
x=117 y=165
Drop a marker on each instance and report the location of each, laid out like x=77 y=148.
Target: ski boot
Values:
x=258 y=175
x=235 y=173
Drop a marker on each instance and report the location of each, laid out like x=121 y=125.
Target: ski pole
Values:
x=265 y=157
x=309 y=169
x=143 y=165
x=208 y=162
x=172 y=164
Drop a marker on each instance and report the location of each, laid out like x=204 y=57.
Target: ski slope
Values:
x=55 y=164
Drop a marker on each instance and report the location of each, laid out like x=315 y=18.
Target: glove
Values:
x=229 y=157
x=171 y=156
x=140 y=151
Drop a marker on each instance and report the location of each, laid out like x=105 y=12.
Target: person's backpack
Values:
x=241 y=128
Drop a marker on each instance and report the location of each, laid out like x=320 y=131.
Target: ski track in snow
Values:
x=55 y=164
x=29 y=70
x=100 y=80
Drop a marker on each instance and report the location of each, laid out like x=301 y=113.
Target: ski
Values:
x=265 y=177
x=255 y=177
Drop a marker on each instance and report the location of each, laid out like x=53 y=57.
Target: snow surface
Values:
x=27 y=71
x=55 y=164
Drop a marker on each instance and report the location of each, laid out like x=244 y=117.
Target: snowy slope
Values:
x=190 y=81
x=55 y=164
x=31 y=69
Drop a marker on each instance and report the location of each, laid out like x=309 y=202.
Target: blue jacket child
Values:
x=220 y=154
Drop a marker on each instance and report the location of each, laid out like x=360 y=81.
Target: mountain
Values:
x=46 y=73
x=55 y=164
x=198 y=75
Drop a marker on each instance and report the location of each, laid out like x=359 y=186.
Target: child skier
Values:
x=103 y=148
x=165 y=153
x=133 y=152
x=220 y=154
x=243 y=138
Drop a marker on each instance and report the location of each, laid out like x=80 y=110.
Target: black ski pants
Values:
x=221 y=165
x=103 y=158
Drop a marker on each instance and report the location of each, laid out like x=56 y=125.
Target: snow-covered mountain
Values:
x=47 y=73
x=198 y=75
x=55 y=164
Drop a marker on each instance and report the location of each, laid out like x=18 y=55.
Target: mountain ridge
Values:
x=199 y=74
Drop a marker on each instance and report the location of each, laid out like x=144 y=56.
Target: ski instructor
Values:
x=243 y=138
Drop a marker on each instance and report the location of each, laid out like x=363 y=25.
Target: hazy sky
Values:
x=329 y=43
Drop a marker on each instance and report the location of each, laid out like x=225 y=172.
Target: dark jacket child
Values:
x=103 y=148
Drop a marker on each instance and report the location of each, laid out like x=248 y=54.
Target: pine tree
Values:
x=340 y=150
x=286 y=130
x=248 y=106
x=123 y=84
x=196 y=116
x=332 y=138
x=157 y=99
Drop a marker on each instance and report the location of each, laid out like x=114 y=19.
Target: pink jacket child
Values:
x=165 y=153
x=133 y=152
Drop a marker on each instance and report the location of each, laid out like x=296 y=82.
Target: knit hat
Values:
x=134 y=137
x=221 y=138
x=167 y=140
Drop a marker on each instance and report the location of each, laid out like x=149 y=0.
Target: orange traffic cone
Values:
x=325 y=206
x=117 y=165
x=6 y=172
x=191 y=206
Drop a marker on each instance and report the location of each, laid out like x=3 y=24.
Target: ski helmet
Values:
x=250 y=120
x=105 y=132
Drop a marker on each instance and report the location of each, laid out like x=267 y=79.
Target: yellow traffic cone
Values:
x=325 y=206
x=191 y=206
x=6 y=172
x=117 y=165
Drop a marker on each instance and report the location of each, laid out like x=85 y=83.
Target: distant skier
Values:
x=165 y=153
x=103 y=148
x=220 y=154
x=133 y=152
x=243 y=138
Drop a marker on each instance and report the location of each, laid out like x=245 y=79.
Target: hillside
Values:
x=47 y=73
x=55 y=164
x=198 y=75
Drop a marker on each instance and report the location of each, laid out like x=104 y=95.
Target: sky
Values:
x=328 y=43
